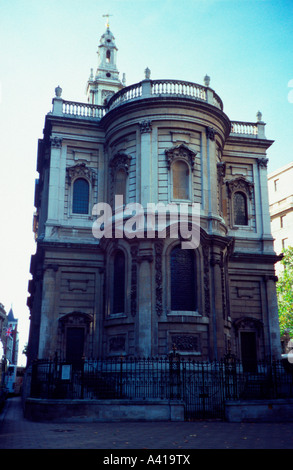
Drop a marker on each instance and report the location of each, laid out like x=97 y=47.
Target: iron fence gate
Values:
x=203 y=387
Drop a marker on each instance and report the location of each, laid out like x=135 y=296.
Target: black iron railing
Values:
x=202 y=386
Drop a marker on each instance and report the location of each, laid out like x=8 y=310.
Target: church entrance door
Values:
x=248 y=351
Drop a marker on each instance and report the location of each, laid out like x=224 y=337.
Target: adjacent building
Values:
x=281 y=208
x=104 y=281
x=3 y=328
x=12 y=335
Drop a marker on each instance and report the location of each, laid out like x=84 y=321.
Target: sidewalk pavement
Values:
x=19 y=433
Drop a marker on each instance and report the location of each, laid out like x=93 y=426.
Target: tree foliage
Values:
x=285 y=293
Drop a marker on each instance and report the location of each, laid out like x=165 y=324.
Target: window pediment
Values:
x=80 y=170
x=120 y=161
x=240 y=184
x=180 y=152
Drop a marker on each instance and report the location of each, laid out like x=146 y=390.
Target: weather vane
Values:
x=107 y=16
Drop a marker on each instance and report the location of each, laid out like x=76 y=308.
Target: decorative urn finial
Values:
x=207 y=80
x=147 y=73
x=58 y=91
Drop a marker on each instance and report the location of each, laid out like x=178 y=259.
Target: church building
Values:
x=104 y=165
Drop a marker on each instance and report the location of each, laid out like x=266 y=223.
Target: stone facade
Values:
x=166 y=142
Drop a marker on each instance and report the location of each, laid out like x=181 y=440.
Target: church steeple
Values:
x=106 y=81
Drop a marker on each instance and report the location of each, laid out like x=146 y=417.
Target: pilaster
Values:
x=55 y=186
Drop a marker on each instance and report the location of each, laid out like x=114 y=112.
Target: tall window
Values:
x=276 y=185
x=119 y=283
x=240 y=208
x=183 y=283
x=180 y=175
x=120 y=183
x=80 y=201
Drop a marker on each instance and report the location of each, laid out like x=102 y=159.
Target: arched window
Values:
x=180 y=176
x=119 y=282
x=120 y=183
x=240 y=208
x=80 y=199
x=183 y=282
x=108 y=55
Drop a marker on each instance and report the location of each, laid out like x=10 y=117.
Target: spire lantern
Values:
x=106 y=81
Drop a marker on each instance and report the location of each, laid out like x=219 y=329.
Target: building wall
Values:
x=73 y=283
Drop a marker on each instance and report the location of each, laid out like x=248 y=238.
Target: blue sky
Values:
x=246 y=46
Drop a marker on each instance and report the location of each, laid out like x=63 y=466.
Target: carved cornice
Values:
x=56 y=142
x=145 y=126
x=180 y=152
x=221 y=170
x=262 y=162
x=210 y=133
x=249 y=323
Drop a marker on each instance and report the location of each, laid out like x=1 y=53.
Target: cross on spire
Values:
x=107 y=16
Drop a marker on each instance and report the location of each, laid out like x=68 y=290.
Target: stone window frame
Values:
x=86 y=199
x=73 y=173
x=240 y=185
x=180 y=152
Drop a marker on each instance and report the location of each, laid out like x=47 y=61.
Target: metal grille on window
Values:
x=80 y=204
x=183 y=284
x=120 y=183
x=119 y=282
x=240 y=209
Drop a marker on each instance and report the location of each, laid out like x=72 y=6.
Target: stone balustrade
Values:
x=178 y=88
x=83 y=110
x=152 y=89
x=126 y=94
x=159 y=88
x=245 y=128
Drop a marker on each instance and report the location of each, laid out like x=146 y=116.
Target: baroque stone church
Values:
x=161 y=142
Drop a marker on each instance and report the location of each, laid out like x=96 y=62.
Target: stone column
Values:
x=273 y=317
x=48 y=326
x=217 y=314
x=144 y=316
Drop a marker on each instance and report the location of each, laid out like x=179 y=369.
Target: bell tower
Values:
x=106 y=82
